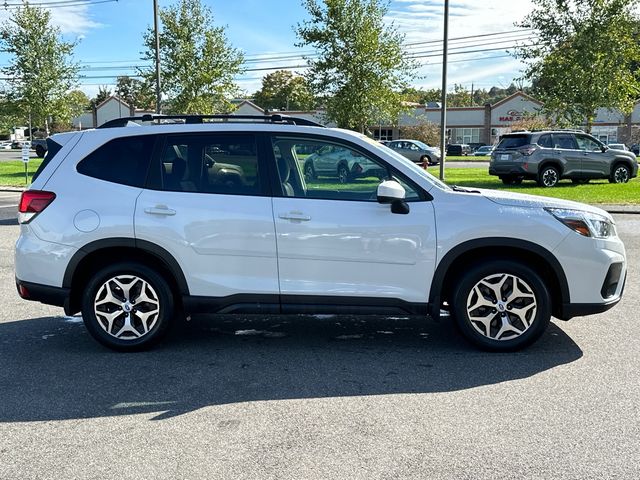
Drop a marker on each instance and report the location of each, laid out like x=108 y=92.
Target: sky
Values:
x=110 y=32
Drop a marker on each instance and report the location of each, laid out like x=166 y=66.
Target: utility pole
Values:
x=443 y=106
x=157 y=35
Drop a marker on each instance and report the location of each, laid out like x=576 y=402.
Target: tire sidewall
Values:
x=157 y=282
x=480 y=271
x=544 y=170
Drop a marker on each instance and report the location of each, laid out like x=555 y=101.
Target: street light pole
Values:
x=443 y=100
x=157 y=39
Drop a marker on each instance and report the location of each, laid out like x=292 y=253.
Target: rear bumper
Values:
x=47 y=294
x=507 y=170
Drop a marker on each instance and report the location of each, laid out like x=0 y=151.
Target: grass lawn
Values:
x=467 y=158
x=12 y=173
x=596 y=191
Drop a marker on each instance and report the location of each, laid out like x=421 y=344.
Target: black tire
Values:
x=40 y=151
x=549 y=176
x=511 y=180
x=309 y=172
x=539 y=315
x=580 y=181
x=158 y=289
x=620 y=173
x=343 y=173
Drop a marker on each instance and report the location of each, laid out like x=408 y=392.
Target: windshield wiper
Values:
x=456 y=188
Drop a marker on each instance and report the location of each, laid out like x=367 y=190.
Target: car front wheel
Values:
x=127 y=306
x=343 y=174
x=501 y=305
x=620 y=174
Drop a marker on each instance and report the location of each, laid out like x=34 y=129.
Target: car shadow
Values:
x=53 y=370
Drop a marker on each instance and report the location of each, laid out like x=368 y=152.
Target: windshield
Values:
x=513 y=141
x=421 y=145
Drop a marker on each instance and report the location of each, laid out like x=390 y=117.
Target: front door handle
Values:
x=160 y=210
x=298 y=216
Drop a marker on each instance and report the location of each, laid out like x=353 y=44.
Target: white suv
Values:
x=135 y=226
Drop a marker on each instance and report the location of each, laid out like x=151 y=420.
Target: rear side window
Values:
x=122 y=160
x=211 y=163
x=545 y=141
x=52 y=150
x=513 y=141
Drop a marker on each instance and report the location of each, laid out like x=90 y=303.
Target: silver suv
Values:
x=549 y=156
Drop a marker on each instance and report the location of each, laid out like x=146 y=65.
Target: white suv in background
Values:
x=136 y=225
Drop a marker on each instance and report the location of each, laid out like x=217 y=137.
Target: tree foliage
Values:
x=360 y=68
x=40 y=69
x=586 y=57
x=136 y=93
x=425 y=131
x=104 y=92
x=462 y=96
x=282 y=90
x=198 y=64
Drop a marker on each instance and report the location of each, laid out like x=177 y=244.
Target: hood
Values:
x=534 y=201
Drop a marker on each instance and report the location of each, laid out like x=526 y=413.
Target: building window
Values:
x=384 y=134
x=465 y=135
x=605 y=134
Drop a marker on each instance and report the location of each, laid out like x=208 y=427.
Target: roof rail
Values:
x=196 y=119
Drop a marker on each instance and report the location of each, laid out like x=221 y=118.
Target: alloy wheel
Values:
x=621 y=174
x=549 y=177
x=127 y=307
x=501 y=306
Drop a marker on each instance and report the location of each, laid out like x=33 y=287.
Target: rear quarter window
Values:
x=52 y=150
x=514 y=141
x=123 y=160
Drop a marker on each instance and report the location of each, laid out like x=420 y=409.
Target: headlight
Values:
x=585 y=223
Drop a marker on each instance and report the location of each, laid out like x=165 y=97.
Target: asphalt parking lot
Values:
x=317 y=397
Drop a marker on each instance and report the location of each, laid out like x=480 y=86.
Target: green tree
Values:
x=137 y=93
x=104 y=92
x=282 y=90
x=361 y=68
x=71 y=105
x=198 y=64
x=584 y=58
x=40 y=69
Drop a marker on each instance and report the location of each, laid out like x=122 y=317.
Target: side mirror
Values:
x=393 y=193
x=604 y=148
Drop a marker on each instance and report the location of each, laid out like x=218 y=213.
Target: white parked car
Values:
x=136 y=226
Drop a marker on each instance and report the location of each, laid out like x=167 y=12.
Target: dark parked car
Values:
x=458 y=149
x=40 y=146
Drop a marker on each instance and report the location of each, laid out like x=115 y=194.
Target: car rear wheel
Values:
x=548 y=177
x=620 y=174
x=309 y=172
x=501 y=305
x=511 y=180
x=40 y=151
x=127 y=306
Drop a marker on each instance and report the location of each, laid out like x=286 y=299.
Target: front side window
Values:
x=588 y=144
x=332 y=172
x=124 y=160
x=210 y=163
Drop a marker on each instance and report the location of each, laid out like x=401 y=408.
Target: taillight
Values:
x=32 y=202
x=526 y=151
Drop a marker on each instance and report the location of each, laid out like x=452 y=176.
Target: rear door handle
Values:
x=299 y=216
x=160 y=210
